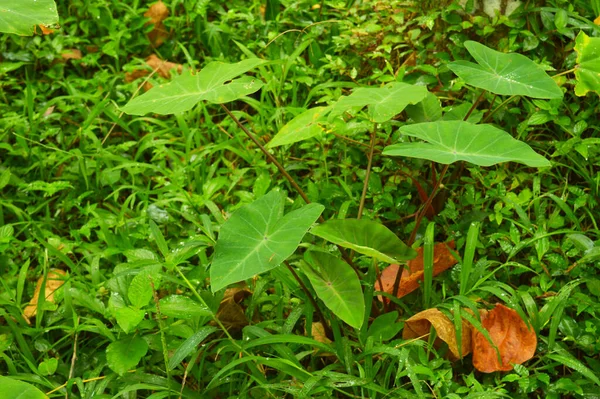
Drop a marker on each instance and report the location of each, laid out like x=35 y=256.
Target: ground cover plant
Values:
x=312 y=199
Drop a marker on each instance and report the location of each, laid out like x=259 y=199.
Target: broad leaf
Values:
x=505 y=74
x=384 y=102
x=182 y=307
x=257 y=238
x=21 y=16
x=366 y=237
x=188 y=89
x=302 y=127
x=128 y=318
x=337 y=285
x=587 y=72
x=451 y=141
x=19 y=389
x=125 y=354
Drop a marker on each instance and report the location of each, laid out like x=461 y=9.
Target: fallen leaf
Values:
x=597 y=21
x=71 y=54
x=230 y=312
x=45 y=30
x=163 y=68
x=420 y=324
x=318 y=333
x=515 y=341
x=54 y=280
x=413 y=274
x=157 y=13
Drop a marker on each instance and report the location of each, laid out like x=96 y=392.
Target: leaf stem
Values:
x=363 y=196
x=502 y=104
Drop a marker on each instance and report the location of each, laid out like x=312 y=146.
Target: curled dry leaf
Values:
x=231 y=313
x=46 y=30
x=318 y=333
x=71 y=54
x=420 y=324
x=54 y=281
x=413 y=274
x=163 y=68
x=515 y=341
x=157 y=13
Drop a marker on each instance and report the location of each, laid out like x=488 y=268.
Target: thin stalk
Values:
x=363 y=196
x=312 y=300
x=474 y=106
x=502 y=104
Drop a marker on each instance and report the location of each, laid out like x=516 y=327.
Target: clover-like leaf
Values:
x=451 y=141
x=505 y=74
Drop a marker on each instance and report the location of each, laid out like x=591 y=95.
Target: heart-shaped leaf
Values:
x=125 y=354
x=257 y=238
x=451 y=141
x=22 y=16
x=366 y=237
x=587 y=71
x=505 y=74
x=337 y=285
x=302 y=127
x=384 y=102
x=187 y=90
x=19 y=389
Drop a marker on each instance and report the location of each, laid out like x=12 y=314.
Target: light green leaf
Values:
x=384 y=102
x=568 y=360
x=48 y=366
x=19 y=390
x=189 y=345
x=366 y=237
x=125 y=354
x=188 y=89
x=140 y=289
x=257 y=238
x=21 y=16
x=587 y=71
x=4 y=178
x=451 y=141
x=302 y=127
x=505 y=74
x=128 y=318
x=428 y=110
x=337 y=285
x=182 y=307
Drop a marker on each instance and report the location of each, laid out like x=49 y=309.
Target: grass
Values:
x=111 y=198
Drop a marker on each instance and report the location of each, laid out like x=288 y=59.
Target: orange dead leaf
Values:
x=54 y=281
x=420 y=324
x=45 y=30
x=318 y=333
x=163 y=68
x=71 y=54
x=515 y=341
x=409 y=281
x=157 y=13
x=597 y=21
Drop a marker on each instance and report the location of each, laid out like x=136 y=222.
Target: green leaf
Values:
x=452 y=141
x=428 y=110
x=302 y=127
x=4 y=178
x=140 y=289
x=19 y=390
x=257 y=238
x=182 y=307
x=48 y=366
x=125 y=354
x=188 y=89
x=384 y=102
x=505 y=74
x=587 y=72
x=128 y=318
x=582 y=242
x=338 y=286
x=568 y=360
x=189 y=345
x=21 y=16
x=366 y=237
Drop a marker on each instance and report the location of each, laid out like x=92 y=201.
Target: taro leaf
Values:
x=451 y=141
x=186 y=90
x=587 y=71
x=515 y=341
x=366 y=237
x=19 y=389
x=125 y=354
x=505 y=74
x=384 y=102
x=21 y=16
x=428 y=110
x=182 y=307
x=257 y=238
x=337 y=285
x=302 y=127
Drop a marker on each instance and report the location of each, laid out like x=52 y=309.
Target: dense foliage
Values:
x=140 y=204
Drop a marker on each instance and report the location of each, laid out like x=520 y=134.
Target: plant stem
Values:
x=312 y=300
x=268 y=154
x=363 y=196
x=474 y=106
x=502 y=104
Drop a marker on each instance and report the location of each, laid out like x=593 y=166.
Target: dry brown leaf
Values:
x=157 y=13
x=419 y=325
x=409 y=281
x=54 y=281
x=318 y=333
x=230 y=312
x=597 y=21
x=163 y=68
x=515 y=341
x=71 y=54
x=45 y=30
